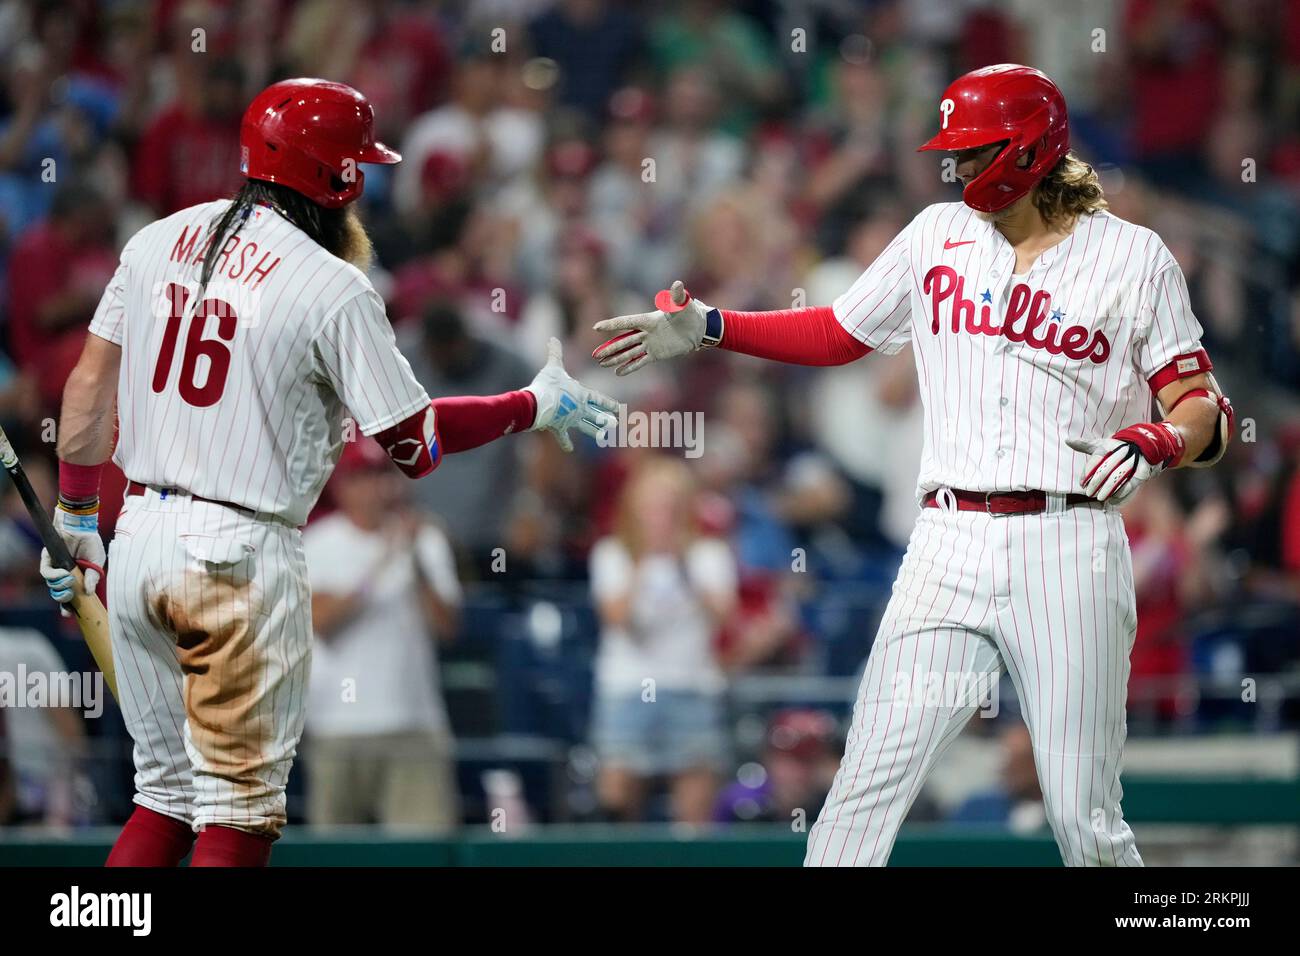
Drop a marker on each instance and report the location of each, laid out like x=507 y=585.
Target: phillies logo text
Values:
x=1027 y=311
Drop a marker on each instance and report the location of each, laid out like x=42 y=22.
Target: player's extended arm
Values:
x=85 y=443
x=682 y=324
x=1195 y=433
x=554 y=401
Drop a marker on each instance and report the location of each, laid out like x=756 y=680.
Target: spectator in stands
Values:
x=500 y=144
x=20 y=543
x=732 y=54
x=1017 y=802
x=692 y=163
x=859 y=408
x=1175 y=51
x=595 y=44
x=45 y=743
x=472 y=492
x=394 y=51
x=1268 y=526
x=58 y=115
x=661 y=592
x=384 y=590
x=764 y=630
x=625 y=200
x=581 y=289
x=1168 y=577
x=775 y=494
x=190 y=153
x=431 y=229
x=847 y=145
x=19 y=396
x=799 y=761
x=57 y=274
x=552 y=208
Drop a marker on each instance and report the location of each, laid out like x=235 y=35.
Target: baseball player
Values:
x=233 y=337
x=1041 y=325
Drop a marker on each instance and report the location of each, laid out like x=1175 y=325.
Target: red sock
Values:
x=151 y=839
x=226 y=846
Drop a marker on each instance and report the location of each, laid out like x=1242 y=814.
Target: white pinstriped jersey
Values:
x=241 y=396
x=1010 y=366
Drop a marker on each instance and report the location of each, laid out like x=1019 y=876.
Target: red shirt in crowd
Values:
x=183 y=160
x=1186 y=69
x=1159 y=649
x=43 y=266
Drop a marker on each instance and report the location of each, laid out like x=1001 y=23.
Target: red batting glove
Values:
x=1118 y=465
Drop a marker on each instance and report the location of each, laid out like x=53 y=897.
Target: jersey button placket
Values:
x=1000 y=277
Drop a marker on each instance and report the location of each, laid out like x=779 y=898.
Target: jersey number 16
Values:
x=216 y=350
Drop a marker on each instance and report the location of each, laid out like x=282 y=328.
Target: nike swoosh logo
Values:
x=949 y=244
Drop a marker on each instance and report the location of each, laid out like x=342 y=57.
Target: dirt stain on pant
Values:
x=212 y=615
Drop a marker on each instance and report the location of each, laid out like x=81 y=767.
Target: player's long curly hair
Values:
x=1070 y=190
x=338 y=231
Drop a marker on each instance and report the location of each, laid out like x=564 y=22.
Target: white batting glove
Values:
x=675 y=328
x=563 y=402
x=1117 y=466
x=80 y=532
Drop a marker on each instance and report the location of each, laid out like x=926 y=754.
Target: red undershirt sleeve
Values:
x=449 y=425
x=468 y=421
x=810 y=336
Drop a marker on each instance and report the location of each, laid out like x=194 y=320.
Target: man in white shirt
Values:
x=384 y=590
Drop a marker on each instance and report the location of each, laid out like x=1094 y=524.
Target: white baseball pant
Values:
x=210 y=613
x=1049 y=597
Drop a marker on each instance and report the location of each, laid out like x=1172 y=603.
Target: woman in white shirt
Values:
x=661 y=592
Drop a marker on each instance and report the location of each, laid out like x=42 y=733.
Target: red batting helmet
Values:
x=310 y=135
x=1011 y=103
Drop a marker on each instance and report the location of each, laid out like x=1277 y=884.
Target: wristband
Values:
x=712 y=329
x=1160 y=443
x=79 y=483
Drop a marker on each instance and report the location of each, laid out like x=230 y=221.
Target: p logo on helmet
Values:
x=1017 y=106
x=311 y=135
x=946 y=107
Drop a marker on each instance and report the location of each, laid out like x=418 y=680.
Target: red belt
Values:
x=1003 y=502
x=135 y=488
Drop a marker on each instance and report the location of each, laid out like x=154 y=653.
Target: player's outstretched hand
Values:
x=1118 y=465
x=81 y=534
x=563 y=402
x=676 y=327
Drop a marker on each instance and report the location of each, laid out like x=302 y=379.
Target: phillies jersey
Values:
x=239 y=394
x=1010 y=366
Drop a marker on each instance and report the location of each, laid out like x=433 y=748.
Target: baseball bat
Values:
x=90 y=613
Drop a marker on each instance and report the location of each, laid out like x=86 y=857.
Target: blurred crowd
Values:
x=563 y=160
